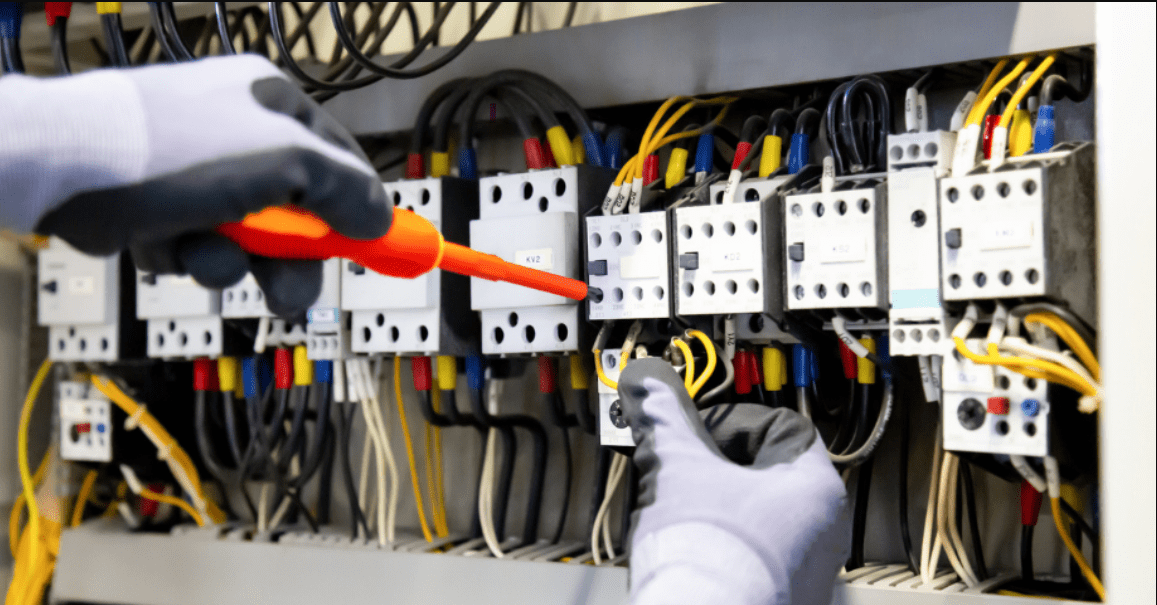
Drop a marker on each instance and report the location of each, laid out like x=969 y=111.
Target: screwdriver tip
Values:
x=594 y=294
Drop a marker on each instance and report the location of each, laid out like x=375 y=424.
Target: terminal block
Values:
x=628 y=259
x=532 y=219
x=835 y=246
x=85 y=306
x=729 y=254
x=183 y=318
x=1024 y=230
x=993 y=410
x=916 y=319
x=327 y=326
x=427 y=315
x=613 y=428
x=85 y=419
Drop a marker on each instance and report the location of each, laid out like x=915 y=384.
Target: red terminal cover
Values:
x=282 y=369
x=547 y=155
x=420 y=368
x=742 y=373
x=990 y=123
x=998 y=406
x=202 y=367
x=535 y=160
x=52 y=10
x=650 y=169
x=848 y=359
x=741 y=151
x=546 y=374
x=415 y=166
x=1030 y=501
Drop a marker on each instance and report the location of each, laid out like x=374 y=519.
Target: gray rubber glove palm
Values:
x=709 y=530
x=152 y=159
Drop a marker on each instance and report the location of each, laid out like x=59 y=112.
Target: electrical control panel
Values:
x=728 y=253
x=533 y=219
x=627 y=258
x=992 y=409
x=79 y=300
x=1024 y=230
x=183 y=318
x=916 y=319
x=835 y=248
x=327 y=328
x=429 y=314
x=613 y=429
x=85 y=419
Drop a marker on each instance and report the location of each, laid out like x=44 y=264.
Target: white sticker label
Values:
x=81 y=285
x=328 y=315
x=541 y=259
x=1006 y=234
x=732 y=260
x=844 y=249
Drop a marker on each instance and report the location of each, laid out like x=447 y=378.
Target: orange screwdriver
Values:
x=410 y=248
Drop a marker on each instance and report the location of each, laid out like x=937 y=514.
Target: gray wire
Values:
x=727 y=382
x=801 y=399
x=859 y=456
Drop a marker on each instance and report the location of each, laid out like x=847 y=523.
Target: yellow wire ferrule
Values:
x=1020 y=133
x=866 y=370
x=773 y=368
x=560 y=145
x=676 y=167
x=578 y=150
x=439 y=164
x=227 y=374
x=447 y=372
x=772 y=156
x=108 y=8
x=302 y=367
x=579 y=380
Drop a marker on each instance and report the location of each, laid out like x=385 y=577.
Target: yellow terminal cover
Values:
x=447 y=372
x=108 y=8
x=676 y=167
x=578 y=150
x=867 y=369
x=302 y=367
x=439 y=164
x=773 y=369
x=560 y=146
x=227 y=374
x=579 y=380
x=772 y=155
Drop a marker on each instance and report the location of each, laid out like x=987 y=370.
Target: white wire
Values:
x=930 y=553
x=486 y=496
x=374 y=423
x=391 y=466
x=614 y=475
x=1020 y=463
x=958 y=560
x=1020 y=346
x=262 y=334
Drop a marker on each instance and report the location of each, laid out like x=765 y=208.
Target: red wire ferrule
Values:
x=52 y=10
x=547 y=156
x=420 y=368
x=415 y=166
x=650 y=169
x=848 y=359
x=756 y=371
x=742 y=365
x=535 y=159
x=741 y=151
x=546 y=374
x=282 y=369
x=1030 y=501
x=202 y=368
x=990 y=123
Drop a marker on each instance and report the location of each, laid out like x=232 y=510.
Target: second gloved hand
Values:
x=153 y=159
x=708 y=530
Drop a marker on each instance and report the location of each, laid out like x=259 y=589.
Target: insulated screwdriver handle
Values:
x=411 y=247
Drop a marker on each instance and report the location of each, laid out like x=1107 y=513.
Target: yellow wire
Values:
x=1033 y=368
x=26 y=482
x=439 y=475
x=601 y=374
x=646 y=140
x=410 y=451
x=648 y=147
x=82 y=497
x=149 y=494
x=635 y=164
x=711 y=359
x=1020 y=93
x=988 y=82
x=18 y=504
x=688 y=378
x=980 y=109
x=1075 y=552
x=1071 y=338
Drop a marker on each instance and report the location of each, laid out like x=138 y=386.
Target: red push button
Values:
x=998 y=406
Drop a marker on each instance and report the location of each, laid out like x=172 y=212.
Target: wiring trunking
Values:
x=426 y=315
x=84 y=304
x=183 y=319
x=532 y=219
x=916 y=321
x=1023 y=230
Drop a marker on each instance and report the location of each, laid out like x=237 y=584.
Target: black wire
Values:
x=310 y=46
x=1026 y=572
x=325 y=480
x=973 y=519
x=435 y=6
x=169 y=20
x=568 y=20
x=345 y=413
x=902 y=467
x=1094 y=537
x=231 y=426
x=60 y=45
x=421 y=134
x=10 y=58
x=518 y=18
x=860 y=514
x=555 y=405
x=114 y=39
x=158 y=24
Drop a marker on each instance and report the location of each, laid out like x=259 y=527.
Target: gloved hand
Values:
x=708 y=530
x=152 y=159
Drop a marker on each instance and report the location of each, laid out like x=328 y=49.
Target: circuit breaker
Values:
x=613 y=428
x=992 y=409
x=79 y=299
x=628 y=260
x=533 y=219
x=183 y=318
x=916 y=319
x=1025 y=230
x=833 y=241
x=85 y=420
x=427 y=315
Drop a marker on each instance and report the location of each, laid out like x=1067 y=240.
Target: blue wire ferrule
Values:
x=613 y=149
x=467 y=163
x=474 y=372
x=594 y=148
x=799 y=153
x=323 y=371
x=704 y=149
x=1045 y=131
x=249 y=376
x=801 y=365
x=11 y=15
